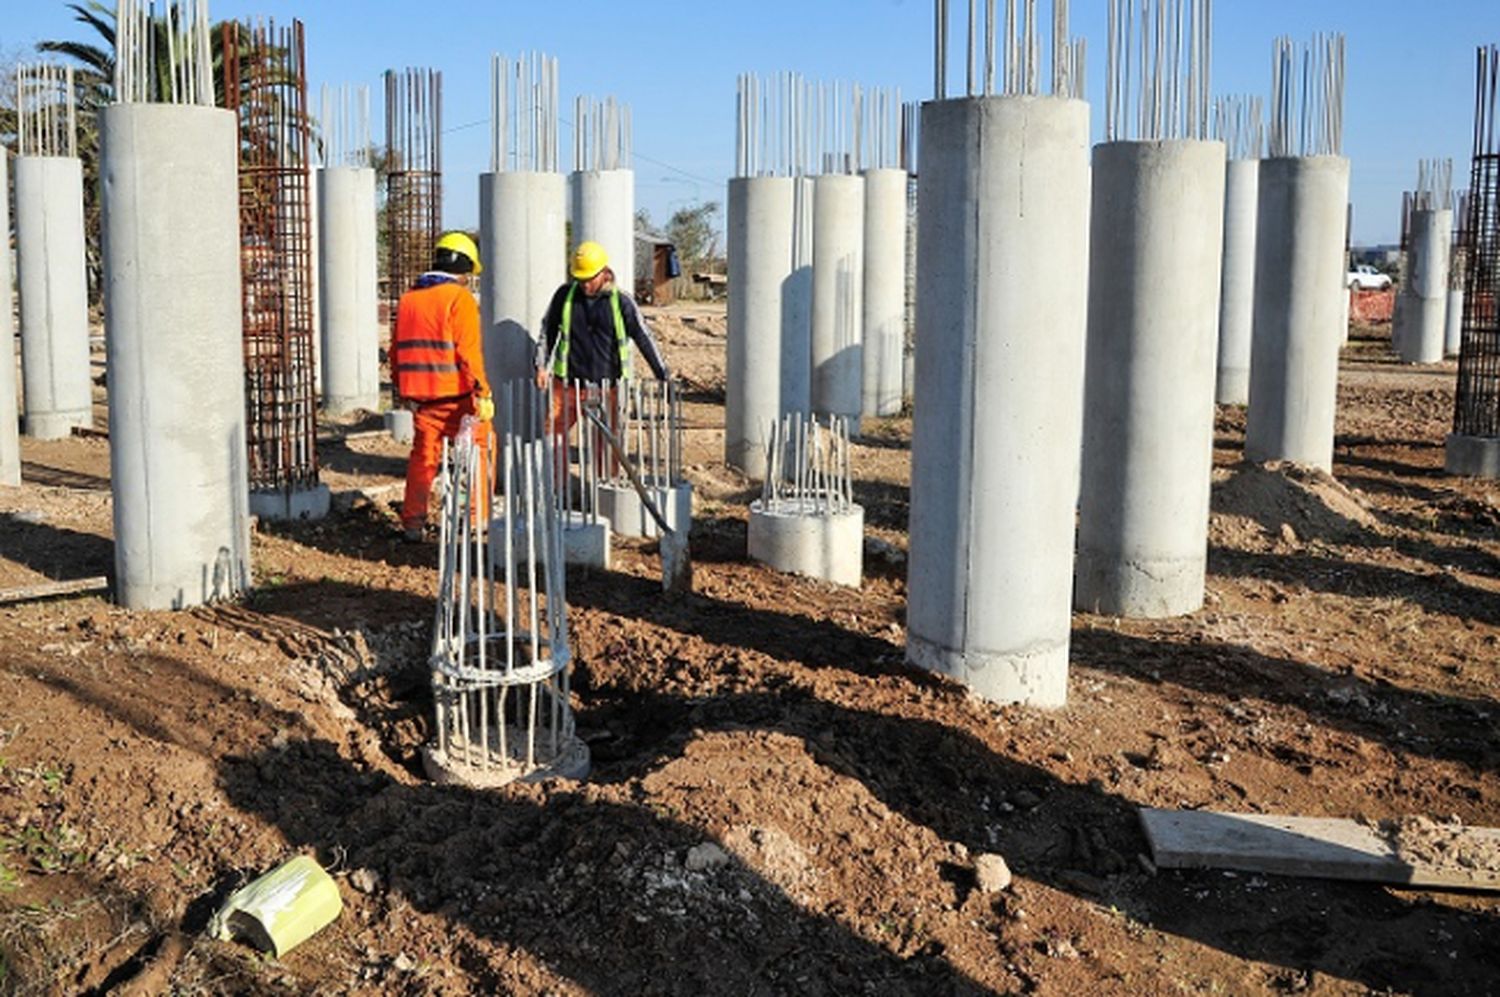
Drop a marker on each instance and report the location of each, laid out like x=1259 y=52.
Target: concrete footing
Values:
x=522 y=243
x=348 y=290
x=571 y=760
x=1299 y=303
x=1148 y=424
x=1237 y=285
x=628 y=517
x=603 y=211
x=58 y=385
x=884 y=295
x=1420 y=323
x=585 y=540
x=10 y=427
x=814 y=544
x=1004 y=193
x=399 y=423
x=291 y=504
x=175 y=361
x=1453 y=324
x=1472 y=456
x=760 y=269
x=837 y=296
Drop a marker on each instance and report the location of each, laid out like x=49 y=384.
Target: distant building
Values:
x=656 y=267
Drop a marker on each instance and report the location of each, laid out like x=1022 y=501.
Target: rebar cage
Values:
x=646 y=420
x=1477 y=407
x=808 y=470
x=265 y=84
x=500 y=653
x=414 y=177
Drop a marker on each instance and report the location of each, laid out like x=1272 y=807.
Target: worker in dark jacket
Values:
x=587 y=332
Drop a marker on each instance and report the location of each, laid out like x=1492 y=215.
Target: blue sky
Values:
x=1410 y=70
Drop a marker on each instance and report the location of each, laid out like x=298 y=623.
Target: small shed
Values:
x=656 y=267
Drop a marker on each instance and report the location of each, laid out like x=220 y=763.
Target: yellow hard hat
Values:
x=588 y=259
x=458 y=242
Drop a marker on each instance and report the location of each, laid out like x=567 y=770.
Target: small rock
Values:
x=404 y=963
x=991 y=873
x=705 y=856
x=365 y=880
x=960 y=850
x=1288 y=535
x=1025 y=799
x=32 y=517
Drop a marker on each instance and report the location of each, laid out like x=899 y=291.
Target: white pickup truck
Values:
x=1366 y=278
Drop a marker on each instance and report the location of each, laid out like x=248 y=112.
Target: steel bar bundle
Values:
x=647 y=419
x=1006 y=59
x=46 y=111
x=1477 y=408
x=524 y=103
x=270 y=101
x=789 y=126
x=500 y=651
x=414 y=181
x=602 y=134
x=345 y=126
x=1160 y=63
x=140 y=39
x=1307 y=97
x=1239 y=123
x=808 y=468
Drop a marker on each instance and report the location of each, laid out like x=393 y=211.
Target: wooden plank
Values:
x=1411 y=853
x=47 y=590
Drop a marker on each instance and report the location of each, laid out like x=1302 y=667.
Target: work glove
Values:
x=484 y=408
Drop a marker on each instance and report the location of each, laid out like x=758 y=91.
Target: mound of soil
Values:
x=1279 y=495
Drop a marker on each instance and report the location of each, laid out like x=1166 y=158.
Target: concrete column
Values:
x=1237 y=294
x=797 y=304
x=10 y=436
x=1421 y=320
x=315 y=245
x=1148 y=416
x=522 y=243
x=760 y=268
x=884 y=291
x=175 y=362
x=56 y=381
x=837 y=289
x=1299 y=284
x=603 y=210
x=1004 y=190
x=350 y=327
x=1453 y=328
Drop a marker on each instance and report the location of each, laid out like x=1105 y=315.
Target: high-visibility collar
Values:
x=622 y=342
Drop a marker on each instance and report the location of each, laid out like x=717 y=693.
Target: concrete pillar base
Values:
x=1453 y=328
x=828 y=547
x=1233 y=387
x=349 y=404
x=398 y=423
x=284 y=505
x=1138 y=589
x=583 y=542
x=1472 y=456
x=629 y=518
x=572 y=761
x=1037 y=676
x=57 y=425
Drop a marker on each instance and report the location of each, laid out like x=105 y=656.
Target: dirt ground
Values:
x=1345 y=666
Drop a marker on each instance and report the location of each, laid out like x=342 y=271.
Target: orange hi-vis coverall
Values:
x=437 y=364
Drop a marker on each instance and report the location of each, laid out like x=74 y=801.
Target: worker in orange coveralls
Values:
x=437 y=364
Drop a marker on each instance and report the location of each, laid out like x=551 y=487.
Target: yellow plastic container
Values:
x=281 y=909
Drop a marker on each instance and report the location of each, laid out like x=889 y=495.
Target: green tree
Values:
x=695 y=233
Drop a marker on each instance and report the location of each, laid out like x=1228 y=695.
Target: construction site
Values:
x=1105 y=602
